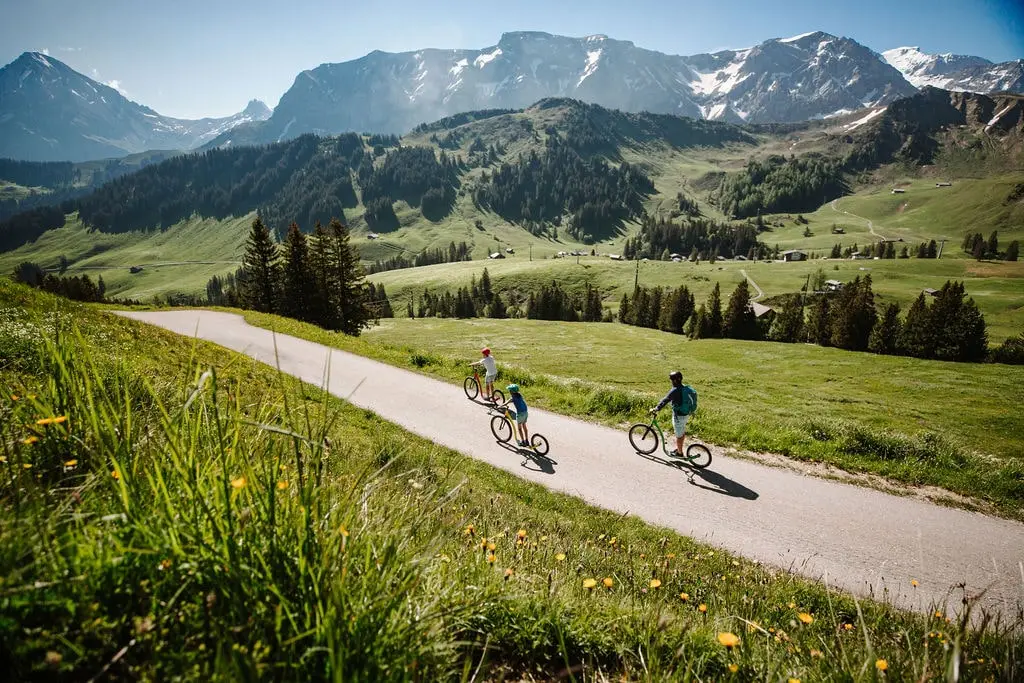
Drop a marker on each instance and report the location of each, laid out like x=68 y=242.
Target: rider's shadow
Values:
x=533 y=461
x=712 y=481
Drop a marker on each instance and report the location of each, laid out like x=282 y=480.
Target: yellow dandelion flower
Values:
x=792 y=605
x=685 y=597
x=521 y=534
x=848 y=627
x=607 y=581
x=729 y=640
x=28 y=441
x=794 y=680
x=282 y=485
x=543 y=538
x=914 y=583
x=491 y=558
x=702 y=608
x=70 y=463
x=560 y=557
x=655 y=583
x=816 y=653
x=805 y=617
x=613 y=541
x=3 y=458
x=14 y=397
x=734 y=668
x=938 y=614
x=27 y=465
x=492 y=547
x=52 y=420
x=483 y=542
x=470 y=530
x=238 y=483
x=589 y=583
x=509 y=572
x=344 y=531
x=881 y=665
x=115 y=474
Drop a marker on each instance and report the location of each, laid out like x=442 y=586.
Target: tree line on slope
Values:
x=951 y=328
x=543 y=188
x=694 y=238
x=481 y=299
x=779 y=185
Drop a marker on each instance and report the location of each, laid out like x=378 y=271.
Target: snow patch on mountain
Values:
x=485 y=59
x=861 y=121
x=794 y=39
x=591 y=66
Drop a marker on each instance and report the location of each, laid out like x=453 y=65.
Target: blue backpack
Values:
x=688 y=406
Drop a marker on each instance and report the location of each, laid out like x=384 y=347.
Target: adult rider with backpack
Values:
x=684 y=402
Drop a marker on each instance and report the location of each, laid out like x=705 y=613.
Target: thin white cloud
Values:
x=46 y=51
x=116 y=85
x=70 y=49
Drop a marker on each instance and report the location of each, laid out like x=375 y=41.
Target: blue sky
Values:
x=190 y=59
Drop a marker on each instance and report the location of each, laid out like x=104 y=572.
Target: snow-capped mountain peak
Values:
x=956 y=72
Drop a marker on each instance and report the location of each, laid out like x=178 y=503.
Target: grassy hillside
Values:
x=171 y=258
x=220 y=521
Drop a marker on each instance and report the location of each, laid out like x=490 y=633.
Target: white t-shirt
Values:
x=489 y=365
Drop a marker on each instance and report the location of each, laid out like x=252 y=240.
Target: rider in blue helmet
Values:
x=521 y=413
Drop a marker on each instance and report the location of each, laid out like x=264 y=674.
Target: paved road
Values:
x=858 y=539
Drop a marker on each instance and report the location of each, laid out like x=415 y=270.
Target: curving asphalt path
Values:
x=863 y=541
x=871 y=225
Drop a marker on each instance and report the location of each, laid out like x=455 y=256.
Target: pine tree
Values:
x=714 y=312
x=740 y=321
x=819 y=321
x=497 y=308
x=916 y=337
x=933 y=249
x=864 y=315
x=699 y=327
x=486 y=293
x=297 y=277
x=101 y=288
x=885 y=336
x=1012 y=250
x=624 y=310
x=262 y=265
x=679 y=310
x=348 y=287
x=788 y=325
x=993 y=244
x=322 y=310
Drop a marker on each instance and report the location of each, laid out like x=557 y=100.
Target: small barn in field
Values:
x=794 y=255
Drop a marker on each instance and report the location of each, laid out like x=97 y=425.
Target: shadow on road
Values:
x=533 y=461
x=711 y=481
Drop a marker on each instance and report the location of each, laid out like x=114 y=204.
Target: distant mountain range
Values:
x=48 y=111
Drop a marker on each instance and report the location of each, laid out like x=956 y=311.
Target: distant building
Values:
x=898 y=190
x=509 y=250
x=496 y=255
x=761 y=310
x=943 y=184
x=135 y=269
x=372 y=236
x=833 y=285
x=836 y=230
x=931 y=292
x=615 y=257
x=794 y=255
x=739 y=257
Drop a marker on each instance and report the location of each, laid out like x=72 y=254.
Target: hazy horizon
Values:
x=208 y=60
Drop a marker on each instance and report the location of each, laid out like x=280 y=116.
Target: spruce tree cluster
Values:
x=694 y=238
x=777 y=185
x=544 y=188
x=76 y=287
x=478 y=300
x=427 y=257
x=318 y=279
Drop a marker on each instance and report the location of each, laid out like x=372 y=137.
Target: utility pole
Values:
x=531 y=251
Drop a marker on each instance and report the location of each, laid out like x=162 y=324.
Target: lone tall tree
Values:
x=299 y=283
x=262 y=266
x=348 y=288
x=885 y=336
x=714 y=309
x=740 y=321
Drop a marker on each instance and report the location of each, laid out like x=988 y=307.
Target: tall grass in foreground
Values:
x=184 y=528
x=189 y=531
